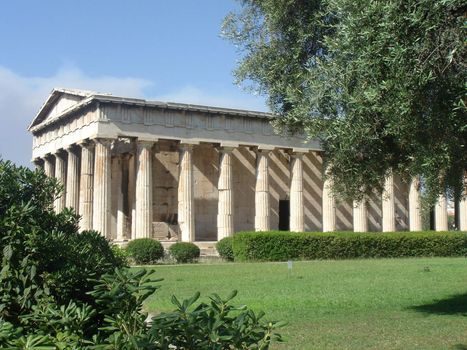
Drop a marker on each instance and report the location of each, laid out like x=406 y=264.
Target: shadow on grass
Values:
x=460 y=347
x=453 y=305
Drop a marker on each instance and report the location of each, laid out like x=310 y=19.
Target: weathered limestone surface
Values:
x=262 y=203
x=388 y=205
x=329 y=207
x=186 y=215
x=360 y=216
x=205 y=192
x=86 y=185
x=463 y=214
x=165 y=182
x=72 y=183
x=415 y=209
x=296 y=194
x=144 y=212
x=102 y=187
x=60 y=175
x=441 y=214
x=244 y=180
x=49 y=166
x=225 y=227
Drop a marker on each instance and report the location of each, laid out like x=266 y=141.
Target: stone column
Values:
x=102 y=187
x=60 y=175
x=86 y=185
x=441 y=213
x=329 y=205
x=360 y=216
x=262 y=203
x=296 y=193
x=143 y=226
x=72 y=179
x=415 y=208
x=49 y=165
x=463 y=213
x=118 y=173
x=225 y=225
x=388 y=205
x=186 y=218
x=132 y=194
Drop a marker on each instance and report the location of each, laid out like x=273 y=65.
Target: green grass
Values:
x=352 y=304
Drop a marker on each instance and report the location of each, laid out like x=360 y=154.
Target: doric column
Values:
x=60 y=175
x=72 y=179
x=415 y=209
x=441 y=213
x=102 y=187
x=86 y=185
x=296 y=193
x=329 y=205
x=186 y=218
x=262 y=203
x=143 y=228
x=49 y=165
x=132 y=193
x=360 y=216
x=225 y=225
x=388 y=204
x=118 y=173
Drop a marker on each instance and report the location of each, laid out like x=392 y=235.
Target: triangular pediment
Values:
x=59 y=101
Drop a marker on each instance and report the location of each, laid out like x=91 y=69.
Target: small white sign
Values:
x=289 y=264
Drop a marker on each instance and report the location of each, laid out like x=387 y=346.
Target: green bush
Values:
x=184 y=252
x=145 y=250
x=224 y=248
x=281 y=246
x=61 y=289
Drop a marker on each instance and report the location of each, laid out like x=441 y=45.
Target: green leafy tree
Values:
x=380 y=83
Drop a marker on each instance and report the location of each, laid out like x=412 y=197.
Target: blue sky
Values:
x=156 y=49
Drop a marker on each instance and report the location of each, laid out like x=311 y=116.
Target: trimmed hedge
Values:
x=184 y=252
x=282 y=246
x=145 y=250
x=224 y=248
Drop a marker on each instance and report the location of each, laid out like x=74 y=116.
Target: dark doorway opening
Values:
x=284 y=215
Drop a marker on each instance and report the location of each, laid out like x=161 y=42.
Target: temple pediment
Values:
x=58 y=102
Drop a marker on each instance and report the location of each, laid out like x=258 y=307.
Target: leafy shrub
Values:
x=224 y=248
x=235 y=328
x=43 y=254
x=145 y=250
x=120 y=254
x=64 y=290
x=281 y=246
x=184 y=252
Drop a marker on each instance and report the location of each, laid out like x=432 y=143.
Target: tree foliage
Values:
x=380 y=83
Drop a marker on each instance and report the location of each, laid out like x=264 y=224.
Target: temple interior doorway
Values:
x=284 y=215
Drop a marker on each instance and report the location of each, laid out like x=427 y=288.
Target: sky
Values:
x=168 y=50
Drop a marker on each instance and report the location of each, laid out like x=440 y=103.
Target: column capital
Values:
x=86 y=143
x=141 y=143
x=48 y=156
x=297 y=155
x=60 y=152
x=186 y=147
x=104 y=141
x=226 y=149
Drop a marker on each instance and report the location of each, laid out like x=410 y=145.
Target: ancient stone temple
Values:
x=134 y=168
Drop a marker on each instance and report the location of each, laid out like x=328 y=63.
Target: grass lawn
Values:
x=352 y=304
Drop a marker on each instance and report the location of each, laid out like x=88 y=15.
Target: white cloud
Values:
x=22 y=96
